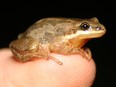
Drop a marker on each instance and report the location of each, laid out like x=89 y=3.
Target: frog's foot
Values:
x=86 y=53
x=54 y=59
x=47 y=57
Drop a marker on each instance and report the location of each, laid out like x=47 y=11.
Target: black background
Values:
x=16 y=16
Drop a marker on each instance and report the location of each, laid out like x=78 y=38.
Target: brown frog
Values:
x=56 y=35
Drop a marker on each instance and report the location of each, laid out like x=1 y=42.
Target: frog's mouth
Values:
x=87 y=34
x=91 y=34
x=82 y=37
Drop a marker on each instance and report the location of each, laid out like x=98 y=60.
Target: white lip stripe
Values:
x=84 y=33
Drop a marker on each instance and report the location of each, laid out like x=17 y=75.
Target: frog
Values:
x=66 y=36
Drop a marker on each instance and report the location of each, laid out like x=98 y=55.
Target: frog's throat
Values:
x=75 y=42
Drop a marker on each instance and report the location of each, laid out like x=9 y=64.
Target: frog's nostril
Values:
x=98 y=28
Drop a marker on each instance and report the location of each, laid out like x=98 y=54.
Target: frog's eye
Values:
x=85 y=26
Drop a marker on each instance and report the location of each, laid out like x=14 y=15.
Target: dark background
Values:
x=16 y=16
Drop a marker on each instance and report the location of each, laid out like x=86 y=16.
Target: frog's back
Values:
x=47 y=29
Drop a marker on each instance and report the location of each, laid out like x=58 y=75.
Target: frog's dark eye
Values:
x=85 y=26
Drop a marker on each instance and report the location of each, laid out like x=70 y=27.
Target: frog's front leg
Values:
x=64 y=47
x=84 y=52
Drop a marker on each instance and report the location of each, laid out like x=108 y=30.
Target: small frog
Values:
x=56 y=35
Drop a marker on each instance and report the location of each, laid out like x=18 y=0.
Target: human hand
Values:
x=75 y=72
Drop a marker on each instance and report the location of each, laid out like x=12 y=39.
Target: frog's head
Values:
x=90 y=28
x=84 y=30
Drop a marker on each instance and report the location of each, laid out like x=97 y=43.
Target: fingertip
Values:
x=75 y=71
x=81 y=72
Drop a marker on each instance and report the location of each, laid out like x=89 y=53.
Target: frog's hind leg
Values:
x=28 y=57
